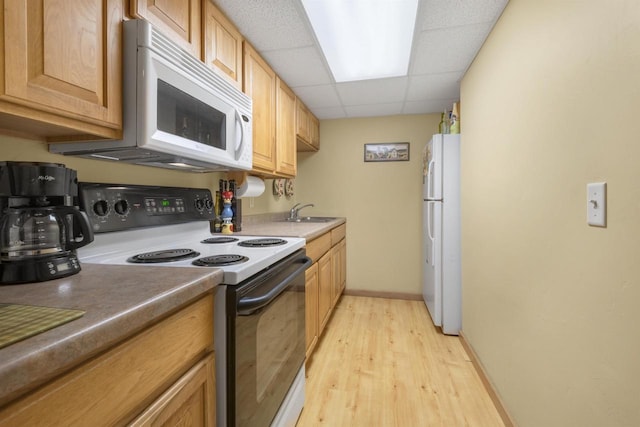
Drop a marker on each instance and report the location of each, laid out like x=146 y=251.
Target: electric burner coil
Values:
x=261 y=243
x=168 y=255
x=220 y=260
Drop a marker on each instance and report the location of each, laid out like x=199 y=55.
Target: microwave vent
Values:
x=183 y=59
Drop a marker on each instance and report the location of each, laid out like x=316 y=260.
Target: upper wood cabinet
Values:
x=274 y=149
x=314 y=132
x=222 y=45
x=61 y=70
x=260 y=85
x=178 y=19
x=307 y=128
x=285 y=130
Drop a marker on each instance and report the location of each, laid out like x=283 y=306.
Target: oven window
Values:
x=183 y=115
x=269 y=353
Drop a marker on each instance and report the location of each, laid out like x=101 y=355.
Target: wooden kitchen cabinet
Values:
x=260 y=85
x=339 y=261
x=325 y=281
x=324 y=290
x=177 y=19
x=157 y=375
x=311 y=308
x=307 y=128
x=222 y=45
x=285 y=130
x=314 y=131
x=61 y=68
x=339 y=270
x=274 y=153
x=190 y=401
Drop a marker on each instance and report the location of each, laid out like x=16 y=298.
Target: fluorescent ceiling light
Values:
x=364 y=39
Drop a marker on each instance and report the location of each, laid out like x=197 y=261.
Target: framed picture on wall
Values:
x=387 y=152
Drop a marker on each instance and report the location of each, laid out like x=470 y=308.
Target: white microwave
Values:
x=178 y=113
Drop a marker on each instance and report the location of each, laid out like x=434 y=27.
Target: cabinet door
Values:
x=178 y=19
x=190 y=401
x=336 y=270
x=222 y=45
x=343 y=266
x=311 y=307
x=302 y=121
x=260 y=85
x=324 y=290
x=314 y=131
x=285 y=130
x=63 y=58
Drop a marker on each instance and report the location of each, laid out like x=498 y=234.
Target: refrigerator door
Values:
x=432 y=265
x=432 y=175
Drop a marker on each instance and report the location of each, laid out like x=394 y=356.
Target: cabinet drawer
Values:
x=338 y=234
x=117 y=385
x=319 y=246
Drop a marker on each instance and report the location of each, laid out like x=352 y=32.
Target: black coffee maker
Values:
x=40 y=229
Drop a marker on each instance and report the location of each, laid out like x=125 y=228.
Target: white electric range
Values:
x=259 y=308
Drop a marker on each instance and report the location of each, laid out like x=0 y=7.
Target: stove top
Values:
x=126 y=237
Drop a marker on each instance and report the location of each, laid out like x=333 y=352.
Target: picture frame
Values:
x=387 y=152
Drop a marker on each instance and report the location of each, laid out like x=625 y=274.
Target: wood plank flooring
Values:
x=381 y=362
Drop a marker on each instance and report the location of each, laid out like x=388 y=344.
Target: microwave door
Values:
x=171 y=112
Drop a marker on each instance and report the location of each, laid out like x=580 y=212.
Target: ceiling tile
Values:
x=268 y=25
x=372 y=110
x=318 y=96
x=434 y=14
x=324 y=113
x=372 y=91
x=299 y=66
x=436 y=86
x=449 y=49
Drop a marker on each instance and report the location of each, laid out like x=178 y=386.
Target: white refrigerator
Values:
x=441 y=287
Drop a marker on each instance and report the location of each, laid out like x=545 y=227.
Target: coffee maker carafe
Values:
x=40 y=229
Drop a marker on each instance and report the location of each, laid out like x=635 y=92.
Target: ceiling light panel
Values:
x=364 y=39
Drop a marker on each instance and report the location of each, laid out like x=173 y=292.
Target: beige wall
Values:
x=17 y=149
x=551 y=103
x=381 y=201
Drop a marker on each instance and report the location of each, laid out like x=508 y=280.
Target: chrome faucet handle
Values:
x=293 y=213
x=302 y=207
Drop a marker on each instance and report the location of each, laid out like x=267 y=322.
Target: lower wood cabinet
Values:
x=189 y=402
x=311 y=307
x=324 y=290
x=325 y=281
x=160 y=376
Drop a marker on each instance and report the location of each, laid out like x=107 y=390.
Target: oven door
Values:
x=266 y=340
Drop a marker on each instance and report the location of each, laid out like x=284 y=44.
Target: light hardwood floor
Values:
x=381 y=362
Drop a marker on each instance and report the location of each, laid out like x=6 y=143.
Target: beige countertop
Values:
x=279 y=227
x=118 y=301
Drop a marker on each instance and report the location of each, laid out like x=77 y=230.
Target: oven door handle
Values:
x=249 y=305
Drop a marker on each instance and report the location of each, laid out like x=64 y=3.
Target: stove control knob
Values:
x=101 y=208
x=208 y=203
x=121 y=207
x=199 y=204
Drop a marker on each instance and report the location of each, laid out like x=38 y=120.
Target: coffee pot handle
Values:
x=85 y=228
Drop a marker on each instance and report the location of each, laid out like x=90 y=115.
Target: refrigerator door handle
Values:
x=430 y=206
x=430 y=179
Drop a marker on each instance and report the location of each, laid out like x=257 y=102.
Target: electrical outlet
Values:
x=597 y=204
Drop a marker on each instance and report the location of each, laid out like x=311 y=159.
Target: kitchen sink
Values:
x=312 y=219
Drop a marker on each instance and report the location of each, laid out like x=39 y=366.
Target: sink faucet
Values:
x=295 y=210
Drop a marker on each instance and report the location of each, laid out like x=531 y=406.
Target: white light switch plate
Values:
x=597 y=204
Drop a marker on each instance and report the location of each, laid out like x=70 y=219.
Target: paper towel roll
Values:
x=251 y=187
